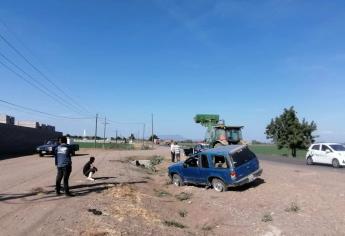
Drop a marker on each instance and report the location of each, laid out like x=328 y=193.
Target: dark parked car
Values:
x=220 y=167
x=49 y=148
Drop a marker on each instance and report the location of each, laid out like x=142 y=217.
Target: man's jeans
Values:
x=63 y=172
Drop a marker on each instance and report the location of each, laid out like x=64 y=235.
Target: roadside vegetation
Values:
x=115 y=146
x=287 y=131
x=273 y=150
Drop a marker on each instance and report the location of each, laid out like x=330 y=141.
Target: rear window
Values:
x=242 y=157
x=338 y=147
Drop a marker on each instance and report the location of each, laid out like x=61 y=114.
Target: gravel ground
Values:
x=289 y=199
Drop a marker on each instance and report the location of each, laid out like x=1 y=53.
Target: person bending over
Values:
x=89 y=170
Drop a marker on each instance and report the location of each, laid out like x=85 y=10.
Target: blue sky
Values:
x=244 y=60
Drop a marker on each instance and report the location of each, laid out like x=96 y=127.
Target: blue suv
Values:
x=220 y=167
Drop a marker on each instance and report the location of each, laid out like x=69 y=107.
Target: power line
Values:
x=38 y=82
x=38 y=70
x=32 y=84
x=43 y=112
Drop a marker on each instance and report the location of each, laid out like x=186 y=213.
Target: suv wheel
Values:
x=218 y=185
x=310 y=161
x=40 y=154
x=176 y=180
x=335 y=163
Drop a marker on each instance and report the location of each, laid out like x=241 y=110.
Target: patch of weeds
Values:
x=156 y=160
x=38 y=190
x=147 y=177
x=293 y=208
x=95 y=212
x=183 y=213
x=145 y=147
x=168 y=182
x=207 y=228
x=171 y=223
x=267 y=217
x=161 y=193
x=183 y=196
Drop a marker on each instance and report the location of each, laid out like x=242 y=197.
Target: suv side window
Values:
x=192 y=161
x=325 y=148
x=316 y=147
x=219 y=161
x=204 y=161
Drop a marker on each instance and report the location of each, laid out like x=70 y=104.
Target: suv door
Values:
x=190 y=170
x=204 y=169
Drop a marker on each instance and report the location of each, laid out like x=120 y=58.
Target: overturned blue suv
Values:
x=221 y=167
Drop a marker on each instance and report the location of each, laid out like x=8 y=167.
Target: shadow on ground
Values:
x=254 y=184
x=80 y=190
x=257 y=182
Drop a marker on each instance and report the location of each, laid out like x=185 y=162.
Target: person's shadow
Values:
x=103 y=178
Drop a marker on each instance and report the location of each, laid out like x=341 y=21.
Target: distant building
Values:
x=24 y=137
x=29 y=124
x=5 y=119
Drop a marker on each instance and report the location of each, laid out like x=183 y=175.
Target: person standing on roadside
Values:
x=177 y=150
x=63 y=162
x=172 y=151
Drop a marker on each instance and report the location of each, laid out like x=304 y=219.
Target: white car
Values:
x=326 y=153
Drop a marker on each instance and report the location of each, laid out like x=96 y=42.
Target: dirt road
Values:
x=126 y=200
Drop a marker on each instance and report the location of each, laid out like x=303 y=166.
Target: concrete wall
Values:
x=17 y=140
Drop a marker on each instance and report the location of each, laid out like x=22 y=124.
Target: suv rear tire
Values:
x=177 y=180
x=40 y=154
x=218 y=185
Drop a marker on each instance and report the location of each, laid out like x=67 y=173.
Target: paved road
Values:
x=299 y=162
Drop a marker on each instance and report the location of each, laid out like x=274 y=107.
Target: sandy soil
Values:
x=127 y=200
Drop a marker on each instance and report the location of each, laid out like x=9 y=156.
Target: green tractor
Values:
x=219 y=134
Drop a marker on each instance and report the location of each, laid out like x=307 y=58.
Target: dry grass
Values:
x=293 y=208
x=267 y=217
x=183 y=196
x=127 y=202
x=171 y=223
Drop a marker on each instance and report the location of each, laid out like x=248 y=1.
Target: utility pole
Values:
x=96 y=129
x=105 y=127
x=152 y=130
x=143 y=135
x=116 y=137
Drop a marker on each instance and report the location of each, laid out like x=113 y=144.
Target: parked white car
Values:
x=326 y=153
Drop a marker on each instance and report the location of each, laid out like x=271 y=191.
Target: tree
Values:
x=287 y=131
x=154 y=137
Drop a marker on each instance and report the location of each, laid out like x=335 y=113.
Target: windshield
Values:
x=338 y=147
x=242 y=157
x=234 y=134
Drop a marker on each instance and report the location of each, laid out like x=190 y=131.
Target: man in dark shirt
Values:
x=89 y=169
x=63 y=163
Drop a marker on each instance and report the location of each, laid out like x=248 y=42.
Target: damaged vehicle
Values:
x=221 y=168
